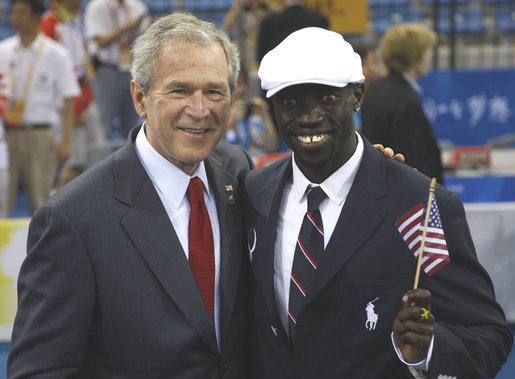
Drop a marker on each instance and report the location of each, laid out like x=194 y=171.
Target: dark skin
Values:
x=317 y=124
x=318 y=110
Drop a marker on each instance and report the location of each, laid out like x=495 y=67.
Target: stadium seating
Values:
x=384 y=17
x=467 y=21
x=504 y=19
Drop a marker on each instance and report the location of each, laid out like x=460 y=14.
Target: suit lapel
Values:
x=160 y=248
x=231 y=245
x=269 y=201
x=359 y=218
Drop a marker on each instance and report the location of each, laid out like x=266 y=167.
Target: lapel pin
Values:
x=274 y=330
x=232 y=200
x=228 y=188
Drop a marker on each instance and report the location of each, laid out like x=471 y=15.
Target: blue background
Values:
x=470 y=107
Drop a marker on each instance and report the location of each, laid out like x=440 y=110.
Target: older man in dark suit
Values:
x=119 y=282
x=333 y=274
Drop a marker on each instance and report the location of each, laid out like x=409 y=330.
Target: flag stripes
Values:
x=411 y=225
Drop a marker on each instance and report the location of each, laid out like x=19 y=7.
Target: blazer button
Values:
x=226 y=366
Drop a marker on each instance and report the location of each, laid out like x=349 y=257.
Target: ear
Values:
x=139 y=99
x=358 y=92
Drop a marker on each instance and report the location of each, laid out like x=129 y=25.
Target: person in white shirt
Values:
x=38 y=72
x=111 y=26
x=63 y=23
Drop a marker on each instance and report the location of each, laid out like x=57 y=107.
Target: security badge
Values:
x=14 y=114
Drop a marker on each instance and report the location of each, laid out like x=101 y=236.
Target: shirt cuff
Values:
x=422 y=365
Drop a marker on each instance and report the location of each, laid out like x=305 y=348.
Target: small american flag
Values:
x=411 y=226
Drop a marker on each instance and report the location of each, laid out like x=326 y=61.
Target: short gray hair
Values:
x=179 y=27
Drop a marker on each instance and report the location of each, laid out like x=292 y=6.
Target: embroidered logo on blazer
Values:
x=372 y=317
x=251 y=241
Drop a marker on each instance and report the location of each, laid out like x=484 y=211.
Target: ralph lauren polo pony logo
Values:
x=372 y=317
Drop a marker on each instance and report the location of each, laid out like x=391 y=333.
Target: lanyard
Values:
x=30 y=74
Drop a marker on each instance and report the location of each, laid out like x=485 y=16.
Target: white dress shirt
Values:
x=294 y=205
x=171 y=183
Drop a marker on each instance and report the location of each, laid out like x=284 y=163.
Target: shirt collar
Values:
x=336 y=186
x=32 y=46
x=412 y=83
x=167 y=177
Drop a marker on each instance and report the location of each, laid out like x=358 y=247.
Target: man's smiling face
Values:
x=317 y=123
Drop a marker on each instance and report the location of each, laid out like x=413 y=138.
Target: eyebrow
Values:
x=189 y=85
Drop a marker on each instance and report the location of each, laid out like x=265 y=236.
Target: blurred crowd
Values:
x=65 y=85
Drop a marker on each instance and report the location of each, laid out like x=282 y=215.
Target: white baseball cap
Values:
x=310 y=55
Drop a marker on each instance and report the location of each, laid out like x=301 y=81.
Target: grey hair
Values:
x=181 y=27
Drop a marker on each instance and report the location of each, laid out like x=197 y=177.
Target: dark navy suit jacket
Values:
x=366 y=260
x=107 y=292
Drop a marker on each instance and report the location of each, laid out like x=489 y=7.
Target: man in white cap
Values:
x=332 y=278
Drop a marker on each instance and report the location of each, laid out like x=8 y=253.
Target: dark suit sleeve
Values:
x=56 y=294
x=409 y=131
x=472 y=339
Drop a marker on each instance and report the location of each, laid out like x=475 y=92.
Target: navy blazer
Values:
x=366 y=260
x=106 y=290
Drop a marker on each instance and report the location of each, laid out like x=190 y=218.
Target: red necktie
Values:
x=201 y=247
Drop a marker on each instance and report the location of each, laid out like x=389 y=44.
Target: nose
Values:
x=310 y=116
x=198 y=106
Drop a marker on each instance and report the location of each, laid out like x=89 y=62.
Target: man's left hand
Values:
x=413 y=328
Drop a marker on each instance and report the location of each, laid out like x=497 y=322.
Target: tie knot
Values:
x=195 y=191
x=315 y=196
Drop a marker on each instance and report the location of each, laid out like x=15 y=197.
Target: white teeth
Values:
x=195 y=130
x=312 y=139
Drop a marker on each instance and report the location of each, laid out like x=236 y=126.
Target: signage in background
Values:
x=347 y=17
x=471 y=107
x=13 y=241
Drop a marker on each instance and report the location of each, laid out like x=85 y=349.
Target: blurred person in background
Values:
x=242 y=21
x=38 y=72
x=392 y=112
x=370 y=71
x=278 y=25
x=251 y=124
x=63 y=23
x=111 y=26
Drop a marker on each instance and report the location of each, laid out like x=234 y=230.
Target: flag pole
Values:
x=422 y=243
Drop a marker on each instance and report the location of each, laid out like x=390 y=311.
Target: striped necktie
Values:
x=308 y=254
